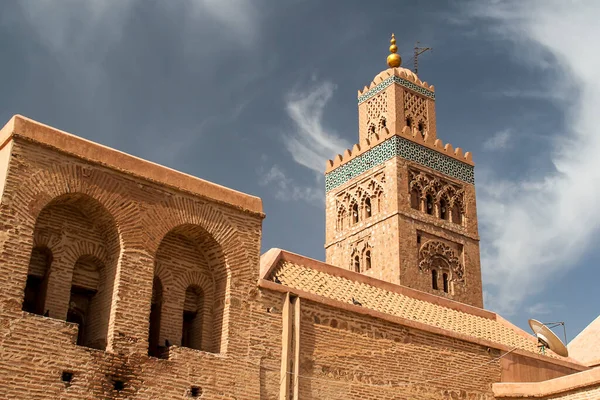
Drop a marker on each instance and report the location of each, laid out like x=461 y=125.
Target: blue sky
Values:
x=257 y=94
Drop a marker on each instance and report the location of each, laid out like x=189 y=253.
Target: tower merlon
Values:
x=412 y=134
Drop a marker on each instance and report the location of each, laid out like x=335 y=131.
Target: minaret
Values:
x=400 y=205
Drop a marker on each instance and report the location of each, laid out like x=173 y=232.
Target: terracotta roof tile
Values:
x=379 y=299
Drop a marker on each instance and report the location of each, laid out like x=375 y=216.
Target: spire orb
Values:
x=394 y=60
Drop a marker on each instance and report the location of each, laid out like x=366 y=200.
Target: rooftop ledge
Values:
x=31 y=130
x=550 y=387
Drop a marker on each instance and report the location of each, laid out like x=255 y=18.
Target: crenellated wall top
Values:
x=408 y=144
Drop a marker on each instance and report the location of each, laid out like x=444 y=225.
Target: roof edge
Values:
x=20 y=126
x=267 y=284
x=547 y=388
x=355 y=276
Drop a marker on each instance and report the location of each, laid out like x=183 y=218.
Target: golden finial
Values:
x=394 y=60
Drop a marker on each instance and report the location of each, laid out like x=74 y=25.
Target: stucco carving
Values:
x=438 y=255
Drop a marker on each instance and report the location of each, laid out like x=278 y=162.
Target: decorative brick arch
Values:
x=47 y=185
x=178 y=211
x=437 y=254
x=220 y=240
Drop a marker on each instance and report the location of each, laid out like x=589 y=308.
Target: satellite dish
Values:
x=547 y=338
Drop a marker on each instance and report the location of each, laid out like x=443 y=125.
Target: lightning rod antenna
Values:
x=418 y=51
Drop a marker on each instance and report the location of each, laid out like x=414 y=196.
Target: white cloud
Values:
x=542 y=309
x=310 y=143
x=285 y=188
x=498 y=141
x=535 y=230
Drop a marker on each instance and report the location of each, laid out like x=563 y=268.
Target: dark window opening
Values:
x=78 y=313
x=383 y=122
x=408 y=122
x=443 y=210
x=368 y=207
x=357 y=264
x=418 y=239
x=154 y=348
x=195 y=391
x=35 y=287
x=33 y=301
x=445 y=280
x=414 y=199
x=379 y=202
x=191 y=335
x=429 y=204
x=434 y=279
x=368 y=260
x=372 y=129
x=189 y=317
x=355 y=213
x=422 y=128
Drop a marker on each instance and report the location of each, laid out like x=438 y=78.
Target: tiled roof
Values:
x=342 y=289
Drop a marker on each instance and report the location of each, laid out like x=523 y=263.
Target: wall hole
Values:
x=118 y=384
x=67 y=377
x=196 y=391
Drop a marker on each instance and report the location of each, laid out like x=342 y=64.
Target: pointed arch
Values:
x=341 y=217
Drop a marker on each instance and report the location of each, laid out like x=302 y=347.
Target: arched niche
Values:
x=195 y=301
x=83 y=239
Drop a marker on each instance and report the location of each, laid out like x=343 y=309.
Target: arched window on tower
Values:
x=434 y=279
x=429 y=204
x=456 y=214
x=357 y=263
x=355 y=213
x=443 y=209
x=368 y=211
x=445 y=281
x=371 y=131
x=422 y=128
x=341 y=220
x=415 y=199
x=367 y=260
x=379 y=201
x=191 y=335
x=409 y=122
x=154 y=348
x=37 y=280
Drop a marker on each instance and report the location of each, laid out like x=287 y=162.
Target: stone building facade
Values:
x=123 y=279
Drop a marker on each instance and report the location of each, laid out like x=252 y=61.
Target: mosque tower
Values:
x=400 y=205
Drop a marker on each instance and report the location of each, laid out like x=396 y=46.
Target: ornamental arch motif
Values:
x=438 y=255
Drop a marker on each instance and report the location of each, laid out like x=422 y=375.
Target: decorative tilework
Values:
x=400 y=81
x=401 y=147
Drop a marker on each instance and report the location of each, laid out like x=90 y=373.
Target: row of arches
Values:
x=436 y=197
x=361 y=205
x=441 y=207
x=72 y=270
x=361 y=261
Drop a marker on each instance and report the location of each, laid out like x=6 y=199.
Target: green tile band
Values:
x=400 y=147
x=403 y=82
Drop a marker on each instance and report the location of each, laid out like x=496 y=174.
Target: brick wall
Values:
x=114 y=232
x=347 y=356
